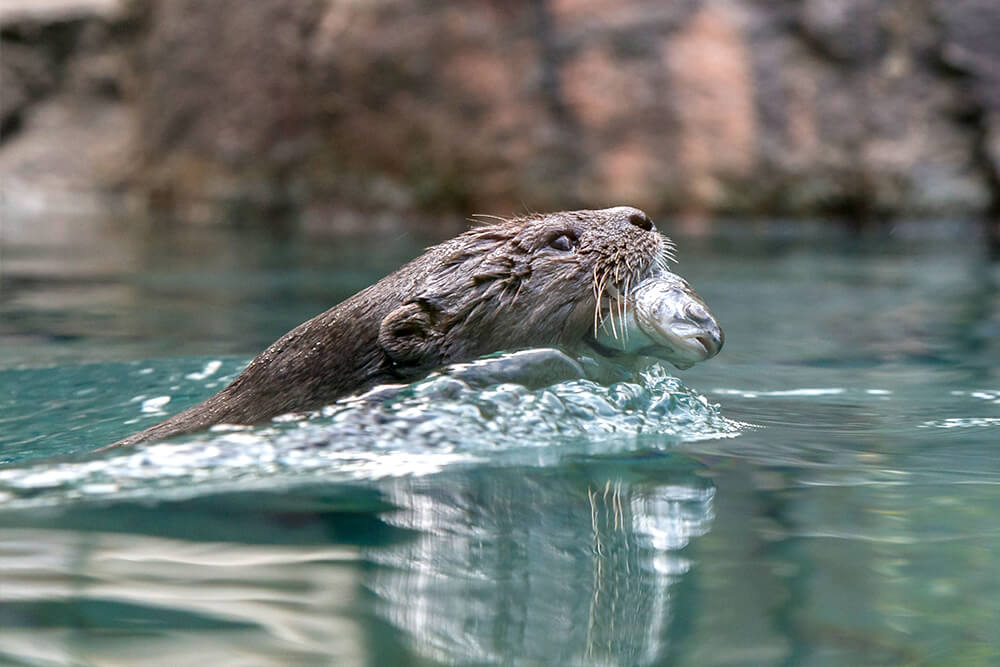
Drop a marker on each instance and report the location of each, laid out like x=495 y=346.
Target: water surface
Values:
x=822 y=493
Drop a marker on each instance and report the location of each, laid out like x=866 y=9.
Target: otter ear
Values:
x=408 y=335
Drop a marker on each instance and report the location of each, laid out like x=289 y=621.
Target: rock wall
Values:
x=65 y=118
x=858 y=107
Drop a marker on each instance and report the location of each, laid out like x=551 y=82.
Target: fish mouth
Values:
x=660 y=317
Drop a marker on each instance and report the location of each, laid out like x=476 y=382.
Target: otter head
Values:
x=570 y=278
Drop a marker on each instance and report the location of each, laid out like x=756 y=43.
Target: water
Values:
x=822 y=493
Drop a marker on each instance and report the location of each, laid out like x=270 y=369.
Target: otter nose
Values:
x=641 y=220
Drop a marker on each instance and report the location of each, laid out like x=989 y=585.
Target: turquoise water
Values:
x=824 y=492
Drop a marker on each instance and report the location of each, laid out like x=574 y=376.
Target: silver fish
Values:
x=661 y=317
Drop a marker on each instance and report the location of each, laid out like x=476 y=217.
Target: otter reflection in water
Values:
x=586 y=281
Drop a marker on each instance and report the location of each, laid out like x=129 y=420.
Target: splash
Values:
x=431 y=425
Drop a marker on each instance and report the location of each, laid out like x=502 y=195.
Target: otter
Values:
x=590 y=279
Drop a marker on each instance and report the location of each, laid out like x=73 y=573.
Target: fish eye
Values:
x=563 y=242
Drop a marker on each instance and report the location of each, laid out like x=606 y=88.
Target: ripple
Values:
x=962 y=422
x=210 y=369
x=154 y=405
x=993 y=396
x=782 y=393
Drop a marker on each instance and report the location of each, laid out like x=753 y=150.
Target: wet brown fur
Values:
x=501 y=286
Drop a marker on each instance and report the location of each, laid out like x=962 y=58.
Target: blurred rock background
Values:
x=350 y=112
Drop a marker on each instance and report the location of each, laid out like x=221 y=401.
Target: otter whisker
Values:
x=620 y=332
x=611 y=318
x=661 y=260
x=597 y=301
x=517 y=293
x=602 y=283
x=617 y=329
x=668 y=251
x=480 y=220
x=598 y=296
x=619 y=303
x=628 y=290
x=604 y=294
x=490 y=217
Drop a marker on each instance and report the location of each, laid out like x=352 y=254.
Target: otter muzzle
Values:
x=664 y=318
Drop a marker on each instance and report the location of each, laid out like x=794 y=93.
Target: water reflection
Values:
x=103 y=598
x=530 y=565
x=572 y=565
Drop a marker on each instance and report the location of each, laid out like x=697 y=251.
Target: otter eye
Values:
x=562 y=242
